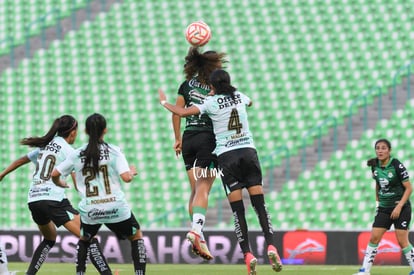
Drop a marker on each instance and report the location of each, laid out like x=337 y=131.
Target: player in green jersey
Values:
x=198 y=141
x=237 y=159
x=393 y=190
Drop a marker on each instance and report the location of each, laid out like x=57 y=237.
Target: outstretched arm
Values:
x=14 y=165
x=180 y=111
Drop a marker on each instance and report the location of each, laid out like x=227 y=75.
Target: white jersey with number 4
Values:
x=102 y=200
x=230 y=123
x=45 y=159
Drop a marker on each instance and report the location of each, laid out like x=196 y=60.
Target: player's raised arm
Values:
x=182 y=112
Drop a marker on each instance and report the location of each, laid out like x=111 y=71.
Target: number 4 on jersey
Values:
x=234 y=121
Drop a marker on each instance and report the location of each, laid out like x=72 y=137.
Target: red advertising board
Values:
x=308 y=247
x=389 y=251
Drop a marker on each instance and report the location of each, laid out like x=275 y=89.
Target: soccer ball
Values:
x=198 y=33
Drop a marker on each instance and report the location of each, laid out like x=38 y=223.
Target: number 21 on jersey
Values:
x=89 y=174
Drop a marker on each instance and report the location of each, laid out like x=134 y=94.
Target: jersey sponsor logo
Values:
x=195 y=123
x=97 y=214
x=103 y=155
x=52 y=147
x=196 y=84
x=240 y=141
x=196 y=97
x=38 y=192
x=404 y=174
x=385 y=185
x=228 y=101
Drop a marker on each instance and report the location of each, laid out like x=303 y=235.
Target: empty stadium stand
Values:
x=300 y=63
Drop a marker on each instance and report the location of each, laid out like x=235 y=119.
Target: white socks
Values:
x=369 y=257
x=198 y=223
x=409 y=255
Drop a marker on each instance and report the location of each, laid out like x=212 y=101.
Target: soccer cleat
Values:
x=197 y=245
x=274 y=258
x=205 y=253
x=251 y=262
x=411 y=273
x=362 y=272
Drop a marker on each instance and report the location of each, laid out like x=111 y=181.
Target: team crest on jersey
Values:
x=390 y=175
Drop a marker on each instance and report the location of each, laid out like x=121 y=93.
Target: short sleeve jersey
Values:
x=230 y=121
x=32 y=155
x=46 y=158
x=195 y=92
x=390 y=181
x=102 y=199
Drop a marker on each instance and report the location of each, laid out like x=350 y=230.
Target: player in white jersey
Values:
x=47 y=202
x=99 y=168
x=237 y=159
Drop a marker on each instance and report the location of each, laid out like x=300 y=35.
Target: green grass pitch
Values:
x=214 y=269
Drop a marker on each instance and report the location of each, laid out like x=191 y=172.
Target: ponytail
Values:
x=62 y=127
x=95 y=125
